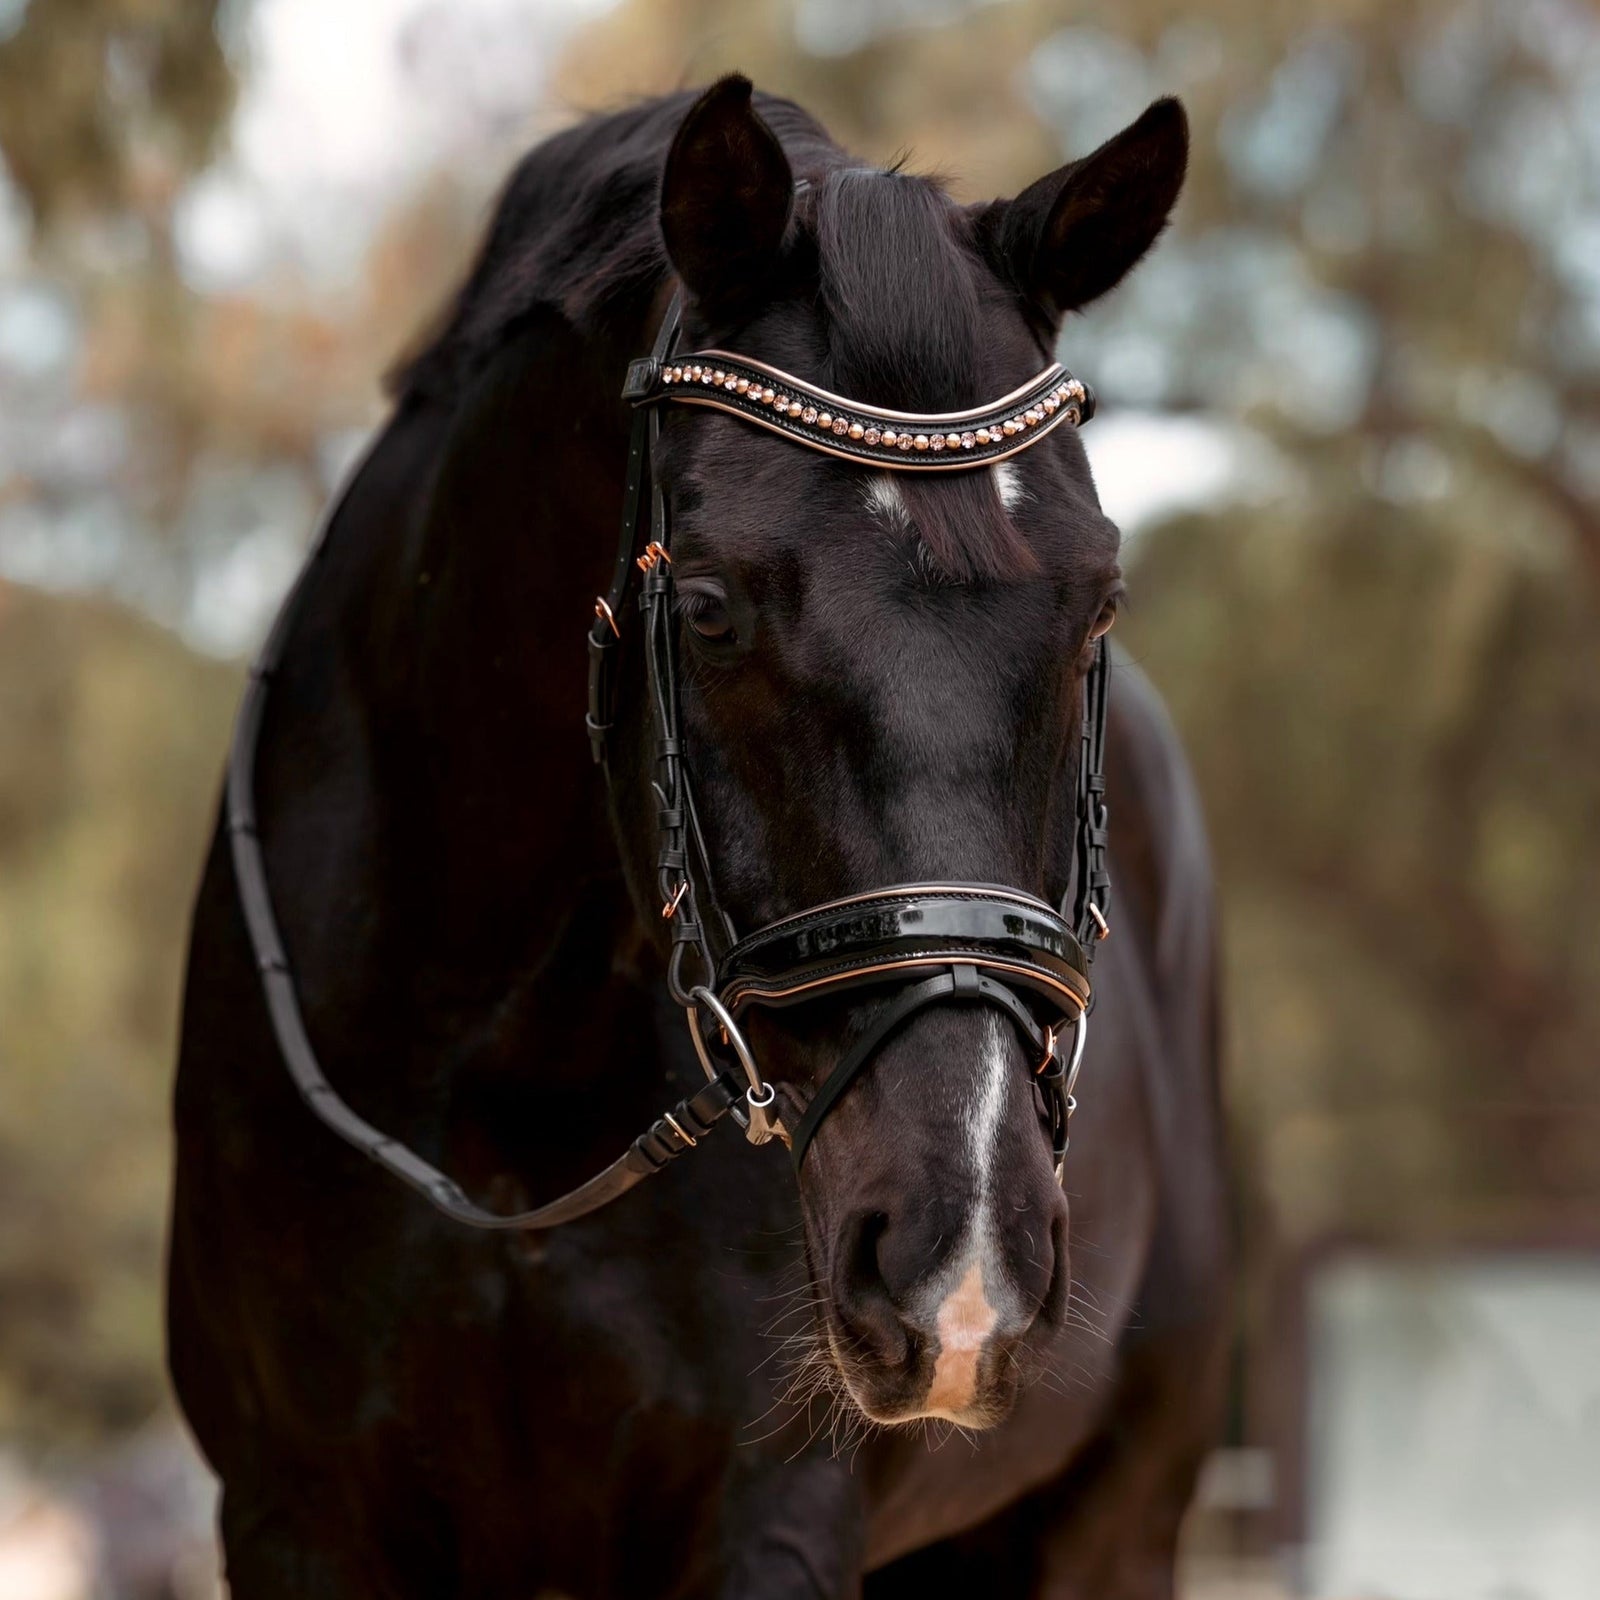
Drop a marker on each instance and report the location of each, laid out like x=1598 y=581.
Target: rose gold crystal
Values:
x=874 y=436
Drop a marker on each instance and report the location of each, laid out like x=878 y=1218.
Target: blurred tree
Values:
x=106 y=104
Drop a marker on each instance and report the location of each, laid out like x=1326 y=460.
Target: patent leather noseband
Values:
x=917 y=945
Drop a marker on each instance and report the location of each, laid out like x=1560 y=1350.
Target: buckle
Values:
x=644 y=375
x=759 y=1124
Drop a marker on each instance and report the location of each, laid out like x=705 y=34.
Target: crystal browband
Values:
x=897 y=440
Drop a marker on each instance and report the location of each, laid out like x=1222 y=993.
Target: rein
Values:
x=936 y=942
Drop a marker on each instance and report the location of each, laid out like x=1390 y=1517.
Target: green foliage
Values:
x=111 y=740
x=1394 y=728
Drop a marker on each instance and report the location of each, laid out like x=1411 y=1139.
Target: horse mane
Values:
x=575 y=229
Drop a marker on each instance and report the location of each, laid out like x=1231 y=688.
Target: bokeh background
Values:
x=1351 y=426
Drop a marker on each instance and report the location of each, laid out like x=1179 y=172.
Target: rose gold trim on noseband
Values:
x=905 y=890
x=735 y=997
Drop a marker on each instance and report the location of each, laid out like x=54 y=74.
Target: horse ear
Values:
x=1076 y=233
x=725 y=195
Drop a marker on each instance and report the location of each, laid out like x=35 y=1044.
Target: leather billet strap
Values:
x=897 y=934
x=605 y=629
x=1092 y=894
x=896 y=441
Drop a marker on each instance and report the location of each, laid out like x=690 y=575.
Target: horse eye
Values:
x=1102 y=623
x=709 y=618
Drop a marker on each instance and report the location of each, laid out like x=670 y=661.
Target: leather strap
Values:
x=895 y=933
x=605 y=631
x=1092 y=893
x=957 y=983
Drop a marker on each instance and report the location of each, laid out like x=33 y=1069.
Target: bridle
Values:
x=930 y=943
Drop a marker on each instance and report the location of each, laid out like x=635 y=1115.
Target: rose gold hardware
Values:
x=670 y=908
x=603 y=611
x=1100 y=920
x=1049 y=1051
x=654 y=553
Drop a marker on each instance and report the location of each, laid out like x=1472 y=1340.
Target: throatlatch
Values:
x=931 y=943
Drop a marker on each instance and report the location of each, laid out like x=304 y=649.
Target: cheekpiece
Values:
x=899 y=441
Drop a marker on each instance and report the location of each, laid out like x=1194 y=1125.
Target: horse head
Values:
x=880 y=675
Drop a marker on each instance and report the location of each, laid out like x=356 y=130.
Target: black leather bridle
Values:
x=923 y=943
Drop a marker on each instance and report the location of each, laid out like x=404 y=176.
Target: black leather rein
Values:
x=932 y=943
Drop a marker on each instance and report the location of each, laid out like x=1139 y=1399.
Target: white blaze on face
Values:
x=961 y=1312
x=966 y=1316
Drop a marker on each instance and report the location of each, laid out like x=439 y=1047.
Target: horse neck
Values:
x=458 y=596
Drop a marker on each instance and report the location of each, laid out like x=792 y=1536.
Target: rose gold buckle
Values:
x=1049 y=1051
x=654 y=553
x=1100 y=920
x=603 y=611
x=670 y=908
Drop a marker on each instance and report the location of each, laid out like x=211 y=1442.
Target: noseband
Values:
x=919 y=944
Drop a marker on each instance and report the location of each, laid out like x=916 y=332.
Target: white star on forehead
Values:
x=885 y=502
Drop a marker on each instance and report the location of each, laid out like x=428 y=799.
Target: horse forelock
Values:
x=909 y=327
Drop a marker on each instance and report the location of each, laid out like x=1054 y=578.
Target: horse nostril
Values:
x=1058 y=1284
x=869 y=1230
x=862 y=1296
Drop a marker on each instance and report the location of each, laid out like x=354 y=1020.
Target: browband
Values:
x=899 y=441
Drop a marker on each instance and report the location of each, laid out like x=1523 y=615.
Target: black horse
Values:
x=704 y=1388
